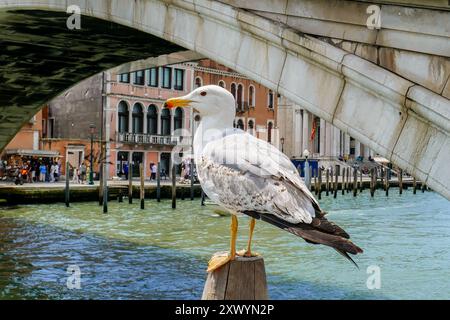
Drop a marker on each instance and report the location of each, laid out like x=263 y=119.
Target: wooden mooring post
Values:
x=105 y=189
x=343 y=181
x=335 y=182
x=424 y=187
x=241 y=279
x=372 y=182
x=203 y=198
x=191 y=173
x=130 y=182
x=360 y=182
x=320 y=183
x=348 y=179
x=327 y=182
x=386 y=181
x=158 y=182
x=142 y=189
x=120 y=196
x=174 y=187
x=355 y=182
x=100 y=186
x=400 y=181
x=66 y=190
x=414 y=185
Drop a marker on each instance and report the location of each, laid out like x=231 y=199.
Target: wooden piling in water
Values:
x=142 y=189
x=343 y=181
x=372 y=182
x=355 y=182
x=241 y=279
x=203 y=198
x=423 y=187
x=386 y=178
x=105 y=190
x=320 y=183
x=100 y=186
x=360 y=182
x=414 y=185
x=174 y=188
x=120 y=196
x=66 y=190
x=348 y=179
x=327 y=182
x=158 y=182
x=191 y=173
x=335 y=182
x=400 y=181
x=130 y=182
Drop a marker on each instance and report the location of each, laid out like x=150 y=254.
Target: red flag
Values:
x=313 y=131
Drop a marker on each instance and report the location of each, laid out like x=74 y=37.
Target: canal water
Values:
x=160 y=253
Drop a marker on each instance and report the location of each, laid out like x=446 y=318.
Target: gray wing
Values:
x=243 y=173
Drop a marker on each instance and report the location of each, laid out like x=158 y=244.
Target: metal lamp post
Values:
x=91 y=172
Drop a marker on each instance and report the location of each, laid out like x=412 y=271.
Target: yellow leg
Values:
x=248 y=252
x=219 y=260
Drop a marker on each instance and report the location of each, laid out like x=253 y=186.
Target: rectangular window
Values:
x=139 y=78
x=179 y=79
x=153 y=77
x=167 y=77
x=124 y=78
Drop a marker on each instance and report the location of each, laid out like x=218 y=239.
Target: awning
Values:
x=381 y=160
x=32 y=153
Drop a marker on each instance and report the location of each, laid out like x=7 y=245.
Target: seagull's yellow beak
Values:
x=177 y=102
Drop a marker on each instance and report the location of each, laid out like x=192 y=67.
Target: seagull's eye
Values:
x=203 y=93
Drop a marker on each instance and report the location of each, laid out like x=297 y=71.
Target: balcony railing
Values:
x=242 y=106
x=143 y=138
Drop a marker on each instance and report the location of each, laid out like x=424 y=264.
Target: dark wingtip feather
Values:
x=345 y=255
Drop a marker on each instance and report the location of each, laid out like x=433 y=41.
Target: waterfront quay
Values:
x=11 y=194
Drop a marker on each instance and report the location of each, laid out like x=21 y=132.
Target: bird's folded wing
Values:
x=257 y=165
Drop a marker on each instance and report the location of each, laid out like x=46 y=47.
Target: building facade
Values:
x=256 y=105
x=301 y=130
x=124 y=115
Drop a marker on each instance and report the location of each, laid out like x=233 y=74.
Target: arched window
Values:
x=251 y=96
x=138 y=118
x=123 y=117
x=178 y=119
x=152 y=119
x=198 y=82
x=240 y=124
x=269 y=132
x=270 y=99
x=239 y=97
x=165 y=122
x=233 y=90
x=251 y=127
x=222 y=84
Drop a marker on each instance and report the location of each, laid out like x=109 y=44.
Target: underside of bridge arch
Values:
x=394 y=116
x=40 y=57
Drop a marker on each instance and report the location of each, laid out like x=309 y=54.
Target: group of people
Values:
x=31 y=171
x=80 y=174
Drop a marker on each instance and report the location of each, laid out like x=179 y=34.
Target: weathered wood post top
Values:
x=241 y=279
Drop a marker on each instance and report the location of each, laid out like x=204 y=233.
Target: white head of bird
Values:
x=215 y=105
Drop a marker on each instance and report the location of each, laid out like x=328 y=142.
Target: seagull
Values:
x=249 y=176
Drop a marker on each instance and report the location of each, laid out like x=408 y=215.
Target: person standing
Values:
x=42 y=172
x=153 y=169
x=82 y=173
x=125 y=170
x=52 y=173
x=56 y=174
x=75 y=178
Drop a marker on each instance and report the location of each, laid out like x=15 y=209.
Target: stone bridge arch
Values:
x=397 y=118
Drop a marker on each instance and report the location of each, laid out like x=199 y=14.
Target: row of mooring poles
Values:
x=103 y=186
x=346 y=180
